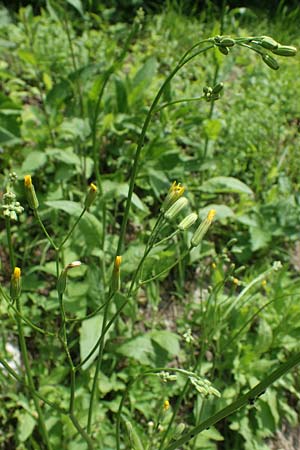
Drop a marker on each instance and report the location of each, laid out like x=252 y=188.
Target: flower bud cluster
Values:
x=11 y=208
x=211 y=94
x=204 y=386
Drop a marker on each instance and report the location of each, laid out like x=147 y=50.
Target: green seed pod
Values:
x=268 y=43
x=227 y=42
x=175 y=209
x=217 y=88
x=224 y=50
x=30 y=193
x=202 y=229
x=271 y=62
x=15 y=284
x=188 y=221
x=134 y=438
x=285 y=50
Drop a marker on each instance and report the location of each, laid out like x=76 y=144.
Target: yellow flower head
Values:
x=27 y=181
x=166 y=405
x=236 y=281
x=93 y=187
x=176 y=188
x=264 y=283
x=213 y=265
x=211 y=214
x=118 y=261
x=17 y=273
x=175 y=192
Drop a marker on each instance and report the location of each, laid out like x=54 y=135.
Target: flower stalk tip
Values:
x=91 y=195
x=30 y=193
x=15 y=284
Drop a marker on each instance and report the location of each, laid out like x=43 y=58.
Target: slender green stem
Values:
x=23 y=348
x=98 y=366
x=141 y=141
x=38 y=218
x=72 y=229
x=167 y=269
x=10 y=246
x=242 y=401
x=182 y=100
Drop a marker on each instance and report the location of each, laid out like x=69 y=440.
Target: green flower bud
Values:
x=91 y=195
x=62 y=280
x=224 y=50
x=175 y=209
x=134 y=438
x=188 y=221
x=30 y=193
x=202 y=229
x=227 y=42
x=15 y=284
x=217 y=88
x=116 y=278
x=271 y=62
x=268 y=43
x=285 y=50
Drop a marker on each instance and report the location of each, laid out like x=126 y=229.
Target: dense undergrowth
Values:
x=227 y=311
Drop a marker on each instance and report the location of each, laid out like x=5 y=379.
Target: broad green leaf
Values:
x=66 y=156
x=26 y=424
x=212 y=128
x=27 y=57
x=72 y=208
x=167 y=340
x=77 y=5
x=90 y=332
x=33 y=161
x=225 y=184
x=139 y=348
x=222 y=211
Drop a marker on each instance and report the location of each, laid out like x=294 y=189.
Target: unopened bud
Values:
x=188 y=221
x=175 y=209
x=116 y=279
x=203 y=227
x=285 y=50
x=270 y=61
x=268 y=43
x=134 y=438
x=15 y=284
x=224 y=50
x=227 y=42
x=91 y=195
x=30 y=193
x=62 y=280
x=166 y=405
x=217 y=88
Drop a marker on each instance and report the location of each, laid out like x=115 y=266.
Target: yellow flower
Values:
x=235 y=281
x=211 y=214
x=27 y=181
x=166 y=405
x=175 y=192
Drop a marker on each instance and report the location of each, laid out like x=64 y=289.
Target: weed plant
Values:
x=133 y=330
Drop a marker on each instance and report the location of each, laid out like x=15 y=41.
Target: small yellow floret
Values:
x=177 y=188
x=211 y=214
x=264 y=283
x=93 y=187
x=27 y=181
x=17 y=273
x=213 y=265
x=166 y=405
x=235 y=281
x=118 y=261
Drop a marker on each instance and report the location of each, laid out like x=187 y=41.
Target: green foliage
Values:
x=105 y=343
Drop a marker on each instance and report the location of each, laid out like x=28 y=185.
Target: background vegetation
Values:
x=225 y=308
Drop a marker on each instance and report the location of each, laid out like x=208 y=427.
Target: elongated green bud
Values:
x=227 y=42
x=134 y=438
x=217 y=88
x=188 y=221
x=116 y=278
x=203 y=227
x=175 y=209
x=15 y=284
x=285 y=50
x=62 y=280
x=268 y=43
x=30 y=193
x=271 y=62
x=175 y=192
x=91 y=195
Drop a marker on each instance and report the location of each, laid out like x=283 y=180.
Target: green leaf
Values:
x=212 y=128
x=34 y=160
x=222 y=211
x=27 y=57
x=90 y=332
x=72 y=208
x=77 y=5
x=26 y=424
x=225 y=184
x=167 y=340
x=139 y=348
